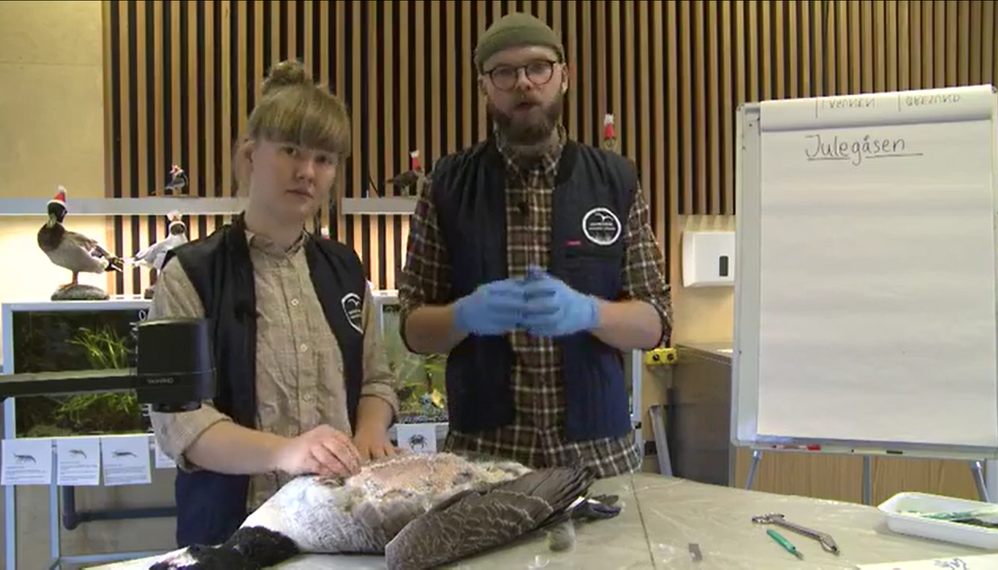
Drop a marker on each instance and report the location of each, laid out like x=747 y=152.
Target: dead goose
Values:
x=71 y=250
x=419 y=510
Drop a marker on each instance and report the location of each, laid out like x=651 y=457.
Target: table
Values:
x=662 y=515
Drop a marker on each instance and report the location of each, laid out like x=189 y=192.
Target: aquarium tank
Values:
x=421 y=389
x=58 y=341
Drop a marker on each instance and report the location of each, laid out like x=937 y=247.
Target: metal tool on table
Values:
x=825 y=539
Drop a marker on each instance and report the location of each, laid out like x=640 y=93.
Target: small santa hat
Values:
x=415 y=160
x=608 y=132
x=60 y=197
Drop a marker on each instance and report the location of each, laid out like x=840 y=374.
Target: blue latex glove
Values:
x=555 y=309
x=493 y=309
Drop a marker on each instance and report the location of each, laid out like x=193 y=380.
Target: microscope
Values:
x=174 y=370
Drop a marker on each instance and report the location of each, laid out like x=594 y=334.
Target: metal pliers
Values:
x=825 y=539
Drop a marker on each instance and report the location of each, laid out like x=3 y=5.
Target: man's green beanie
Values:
x=516 y=30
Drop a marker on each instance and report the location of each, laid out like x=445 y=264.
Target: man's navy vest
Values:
x=592 y=198
x=211 y=506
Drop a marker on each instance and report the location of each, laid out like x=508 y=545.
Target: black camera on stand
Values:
x=173 y=370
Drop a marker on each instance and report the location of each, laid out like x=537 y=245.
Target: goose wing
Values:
x=473 y=522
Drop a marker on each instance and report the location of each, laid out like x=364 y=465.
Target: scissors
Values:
x=825 y=539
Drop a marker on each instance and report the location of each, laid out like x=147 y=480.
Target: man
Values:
x=535 y=370
x=304 y=386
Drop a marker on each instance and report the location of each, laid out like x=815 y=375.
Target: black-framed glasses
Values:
x=538 y=72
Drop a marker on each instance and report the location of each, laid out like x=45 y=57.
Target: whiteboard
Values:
x=865 y=293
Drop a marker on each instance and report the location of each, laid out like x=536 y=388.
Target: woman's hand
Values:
x=373 y=443
x=320 y=451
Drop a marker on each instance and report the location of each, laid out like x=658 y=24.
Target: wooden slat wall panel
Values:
x=182 y=75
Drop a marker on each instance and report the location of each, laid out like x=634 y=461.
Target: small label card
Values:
x=163 y=461
x=126 y=460
x=79 y=461
x=27 y=461
x=418 y=438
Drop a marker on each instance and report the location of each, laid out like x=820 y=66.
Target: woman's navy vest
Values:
x=592 y=198
x=211 y=506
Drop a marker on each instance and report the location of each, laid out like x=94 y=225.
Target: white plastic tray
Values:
x=946 y=531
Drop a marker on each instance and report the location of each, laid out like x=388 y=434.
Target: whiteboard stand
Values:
x=868 y=262
x=976 y=467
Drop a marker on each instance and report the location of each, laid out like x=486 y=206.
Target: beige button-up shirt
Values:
x=299 y=367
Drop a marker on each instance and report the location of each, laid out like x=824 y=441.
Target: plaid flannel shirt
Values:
x=536 y=438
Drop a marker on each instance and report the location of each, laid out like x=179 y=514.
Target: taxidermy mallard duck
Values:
x=72 y=250
x=419 y=510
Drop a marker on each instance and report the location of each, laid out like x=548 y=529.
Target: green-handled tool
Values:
x=784 y=543
x=948 y=516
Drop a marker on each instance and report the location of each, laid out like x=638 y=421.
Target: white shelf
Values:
x=115 y=303
x=391 y=206
x=151 y=206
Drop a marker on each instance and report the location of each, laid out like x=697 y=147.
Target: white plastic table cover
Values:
x=662 y=516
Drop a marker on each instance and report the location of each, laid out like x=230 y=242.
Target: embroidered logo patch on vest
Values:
x=601 y=226
x=351 y=308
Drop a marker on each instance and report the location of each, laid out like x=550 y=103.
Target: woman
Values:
x=303 y=384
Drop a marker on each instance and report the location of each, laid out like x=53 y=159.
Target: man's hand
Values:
x=492 y=309
x=555 y=309
x=321 y=451
x=373 y=443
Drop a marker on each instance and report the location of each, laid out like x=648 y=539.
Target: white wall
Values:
x=51 y=118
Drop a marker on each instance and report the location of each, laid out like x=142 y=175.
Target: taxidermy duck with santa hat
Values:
x=75 y=252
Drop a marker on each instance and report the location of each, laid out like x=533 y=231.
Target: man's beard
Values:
x=531 y=131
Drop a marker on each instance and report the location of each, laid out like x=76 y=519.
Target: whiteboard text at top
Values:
x=855 y=150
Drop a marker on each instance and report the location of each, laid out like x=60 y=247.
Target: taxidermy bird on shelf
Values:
x=609 y=134
x=176 y=182
x=153 y=256
x=419 y=510
x=75 y=252
x=409 y=182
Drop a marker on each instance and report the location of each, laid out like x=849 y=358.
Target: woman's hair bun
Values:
x=286 y=74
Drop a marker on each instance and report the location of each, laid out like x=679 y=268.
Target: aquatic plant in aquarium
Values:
x=56 y=341
x=421 y=389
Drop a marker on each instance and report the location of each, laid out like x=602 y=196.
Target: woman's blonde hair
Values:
x=293 y=109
